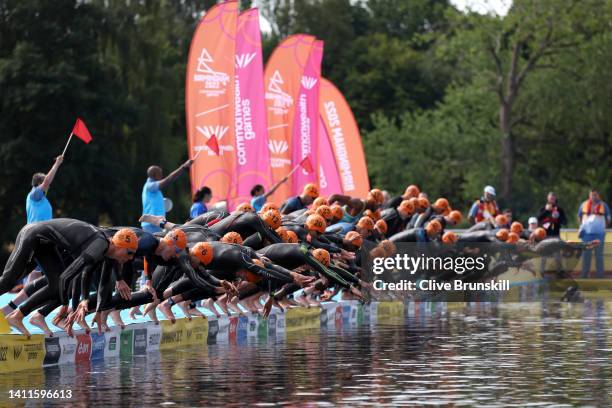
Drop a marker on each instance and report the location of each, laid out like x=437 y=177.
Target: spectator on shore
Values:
x=38 y=207
x=152 y=196
x=594 y=217
x=484 y=208
x=532 y=224
x=551 y=217
x=258 y=192
x=200 y=199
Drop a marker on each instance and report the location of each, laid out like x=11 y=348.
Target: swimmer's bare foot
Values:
x=153 y=316
x=135 y=311
x=233 y=305
x=149 y=307
x=104 y=321
x=194 y=311
x=313 y=302
x=84 y=325
x=6 y=310
x=303 y=300
x=285 y=303
x=59 y=319
x=116 y=318
x=210 y=305
x=166 y=310
x=222 y=302
x=185 y=308
x=15 y=319
x=38 y=320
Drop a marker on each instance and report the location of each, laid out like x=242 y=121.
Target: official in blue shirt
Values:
x=38 y=208
x=200 y=199
x=152 y=196
x=258 y=192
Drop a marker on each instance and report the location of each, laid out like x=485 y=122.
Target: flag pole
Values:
x=294 y=169
x=197 y=154
x=67 y=143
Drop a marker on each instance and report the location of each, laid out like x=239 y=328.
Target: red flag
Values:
x=213 y=144
x=307 y=165
x=80 y=131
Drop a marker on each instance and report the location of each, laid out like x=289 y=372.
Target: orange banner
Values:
x=282 y=78
x=209 y=100
x=345 y=139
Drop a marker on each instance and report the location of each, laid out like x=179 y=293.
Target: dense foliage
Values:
x=445 y=99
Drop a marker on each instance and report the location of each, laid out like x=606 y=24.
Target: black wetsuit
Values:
x=246 y=224
x=43 y=242
x=394 y=221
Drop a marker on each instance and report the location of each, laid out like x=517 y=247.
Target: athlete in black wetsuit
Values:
x=43 y=242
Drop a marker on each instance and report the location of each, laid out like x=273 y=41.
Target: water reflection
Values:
x=480 y=354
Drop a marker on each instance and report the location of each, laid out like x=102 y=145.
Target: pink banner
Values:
x=252 y=156
x=329 y=178
x=306 y=120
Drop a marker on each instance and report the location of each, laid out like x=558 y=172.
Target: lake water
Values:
x=479 y=355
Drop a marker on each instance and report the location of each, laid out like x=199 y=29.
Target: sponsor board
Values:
x=253 y=325
x=389 y=309
x=20 y=353
x=83 y=351
x=213 y=330
x=139 y=338
x=4 y=326
x=98 y=345
x=299 y=319
x=223 y=332
x=127 y=343
x=68 y=347
x=262 y=328
x=242 y=329
x=232 y=329
x=196 y=331
x=52 y=351
x=272 y=324
x=112 y=343
x=172 y=334
x=154 y=334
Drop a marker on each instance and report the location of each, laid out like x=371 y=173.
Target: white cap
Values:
x=532 y=220
x=489 y=190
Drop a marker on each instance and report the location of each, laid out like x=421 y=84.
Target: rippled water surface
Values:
x=480 y=355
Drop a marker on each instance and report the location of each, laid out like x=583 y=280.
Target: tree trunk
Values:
x=507 y=152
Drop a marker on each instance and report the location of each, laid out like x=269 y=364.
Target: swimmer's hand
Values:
x=123 y=289
x=347 y=255
x=63 y=312
x=229 y=288
x=148 y=287
x=356 y=292
x=98 y=321
x=301 y=279
x=327 y=295
x=152 y=219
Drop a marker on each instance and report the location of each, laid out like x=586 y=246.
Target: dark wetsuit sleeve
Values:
x=321 y=243
x=319 y=267
x=201 y=278
x=334 y=238
x=93 y=253
x=255 y=241
x=344 y=274
x=266 y=232
x=86 y=277
x=105 y=287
